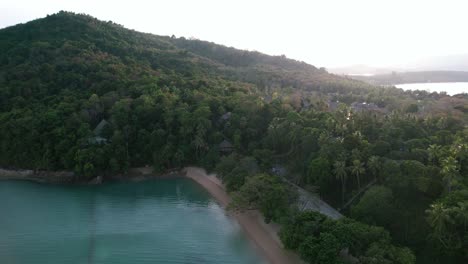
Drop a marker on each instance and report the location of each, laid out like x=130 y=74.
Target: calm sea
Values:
x=159 y=221
x=451 y=88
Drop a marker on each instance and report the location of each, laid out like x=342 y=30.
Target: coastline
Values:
x=53 y=177
x=68 y=177
x=263 y=235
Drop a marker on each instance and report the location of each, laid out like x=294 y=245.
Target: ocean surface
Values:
x=158 y=221
x=451 y=88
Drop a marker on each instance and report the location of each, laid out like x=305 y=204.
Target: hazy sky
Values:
x=324 y=32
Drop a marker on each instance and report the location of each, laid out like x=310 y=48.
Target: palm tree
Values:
x=357 y=169
x=434 y=152
x=461 y=213
x=439 y=219
x=449 y=171
x=199 y=140
x=339 y=168
x=374 y=164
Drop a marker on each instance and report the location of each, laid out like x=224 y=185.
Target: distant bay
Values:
x=451 y=88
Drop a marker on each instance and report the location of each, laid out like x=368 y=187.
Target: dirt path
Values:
x=263 y=235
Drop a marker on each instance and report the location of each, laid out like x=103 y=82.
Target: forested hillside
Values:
x=93 y=97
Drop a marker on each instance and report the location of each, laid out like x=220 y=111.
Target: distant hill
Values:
x=457 y=62
x=77 y=68
x=83 y=40
x=361 y=69
x=80 y=69
x=448 y=63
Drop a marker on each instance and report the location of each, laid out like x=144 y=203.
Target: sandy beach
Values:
x=263 y=235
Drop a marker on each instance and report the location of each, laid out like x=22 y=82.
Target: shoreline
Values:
x=263 y=235
x=68 y=177
x=50 y=177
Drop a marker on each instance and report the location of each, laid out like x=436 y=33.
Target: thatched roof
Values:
x=98 y=130
x=97 y=140
x=225 y=146
x=226 y=116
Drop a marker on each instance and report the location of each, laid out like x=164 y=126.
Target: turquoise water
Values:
x=157 y=221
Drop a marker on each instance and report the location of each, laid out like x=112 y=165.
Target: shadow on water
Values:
x=183 y=190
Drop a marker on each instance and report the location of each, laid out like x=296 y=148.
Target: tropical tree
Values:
x=264 y=192
x=450 y=172
x=438 y=218
x=377 y=207
x=434 y=152
x=319 y=171
x=339 y=168
x=461 y=213
x=199 y=141
x=357 y=169
x=374 y=164
x=448 y=218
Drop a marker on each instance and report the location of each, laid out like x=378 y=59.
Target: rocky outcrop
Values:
x=96 y=180
x=144 y=173
x=15 y=174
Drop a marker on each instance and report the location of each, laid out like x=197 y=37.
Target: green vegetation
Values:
x=266 y=193
x=80 y=94
x=322 y=240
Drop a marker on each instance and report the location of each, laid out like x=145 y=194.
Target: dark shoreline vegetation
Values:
x=92 y=97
